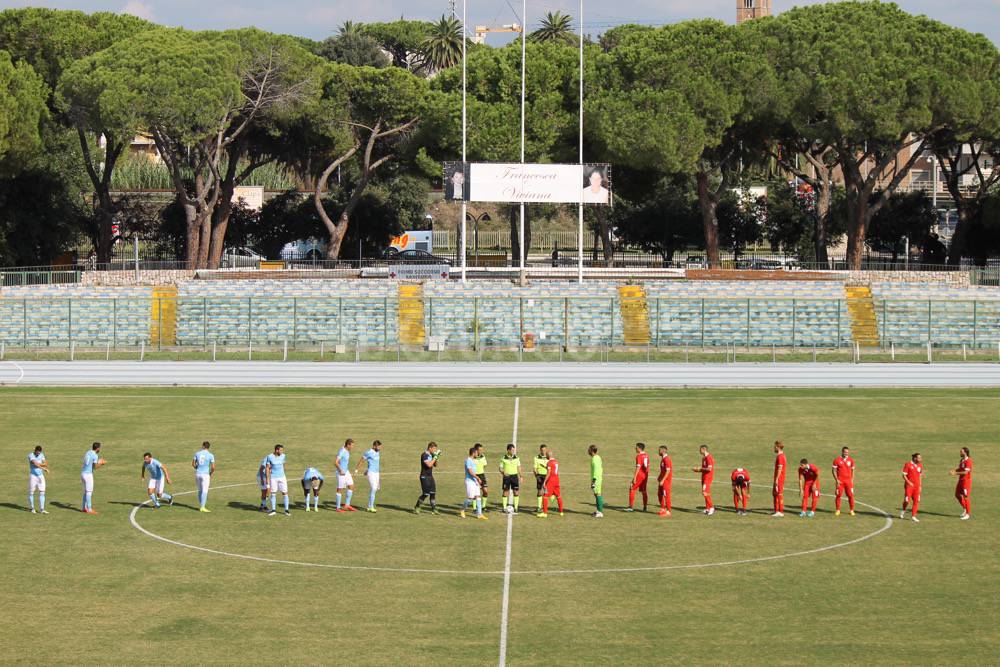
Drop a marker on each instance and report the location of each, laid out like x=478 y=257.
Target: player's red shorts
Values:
x=963 y=490
x=552 y=489
x=810 y=488
x=640 y=481
x=911 y=492
x=779 y=487
x=706 y=483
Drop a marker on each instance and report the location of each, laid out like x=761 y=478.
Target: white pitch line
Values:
x=505 y=604
x=260 y=559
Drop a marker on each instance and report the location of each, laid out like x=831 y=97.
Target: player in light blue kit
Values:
x=274 y=465
x=158 y=475
x=37 y=468
x=473 y=487
x=312 y=482
x=91 y=461
x=372 y=458
x=344 y=478
x=204 y=467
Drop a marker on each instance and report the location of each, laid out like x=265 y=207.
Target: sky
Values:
x=319 y=18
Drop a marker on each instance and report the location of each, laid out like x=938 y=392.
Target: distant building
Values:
x=752 y=9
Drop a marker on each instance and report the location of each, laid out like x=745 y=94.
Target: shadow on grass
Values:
x=247 y=507
x=67 y=506
x=19 y=508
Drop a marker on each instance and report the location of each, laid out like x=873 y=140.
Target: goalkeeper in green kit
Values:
x=597 y=479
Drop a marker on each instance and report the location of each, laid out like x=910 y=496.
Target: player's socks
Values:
x=479 y=506
x=371 y=499
x=274 y=502
x=31 y=501
x=350 y=494
x=41 y=502
x=539 y=503
x=285 y=498
x=559 y=500
x=600 y=503
x=316 y=502
x=517 y=502
x=339 y=496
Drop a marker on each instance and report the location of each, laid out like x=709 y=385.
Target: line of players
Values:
x=272 y=480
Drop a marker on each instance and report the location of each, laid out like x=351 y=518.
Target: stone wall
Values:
x=127 y=278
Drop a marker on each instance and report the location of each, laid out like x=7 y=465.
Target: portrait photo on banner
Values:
x=456 y=181
x=597 y=184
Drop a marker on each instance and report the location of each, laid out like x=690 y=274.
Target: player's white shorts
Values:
x=279 y=485
x=156 y=484
x=36 y=483
x=344 y=481
x=202 y=481
x=375 y=480
x=88 y=481
x=472 y=489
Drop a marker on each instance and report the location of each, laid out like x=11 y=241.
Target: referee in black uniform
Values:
x=428 y=487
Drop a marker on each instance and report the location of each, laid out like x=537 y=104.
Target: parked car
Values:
x=414 y=257
x=695 y=262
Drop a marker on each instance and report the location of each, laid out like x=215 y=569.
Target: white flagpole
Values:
x=579 y=254
x=464 y=131
x=524 y=50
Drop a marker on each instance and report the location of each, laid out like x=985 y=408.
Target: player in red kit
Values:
x=551 y=486
x=913 y=472
x=964 y=486
x=843 y=477
x=808 y=487
x=741 y=490
x=778 y=488
x=639 y=478
x=707 y=471
x=665 y=480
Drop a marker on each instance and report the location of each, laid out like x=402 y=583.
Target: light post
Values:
x=475 y=220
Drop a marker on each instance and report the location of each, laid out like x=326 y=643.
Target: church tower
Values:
x=752 y=9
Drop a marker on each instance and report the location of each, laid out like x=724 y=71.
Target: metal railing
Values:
x=471 y=323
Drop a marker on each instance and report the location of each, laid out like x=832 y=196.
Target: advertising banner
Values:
x=528 y=183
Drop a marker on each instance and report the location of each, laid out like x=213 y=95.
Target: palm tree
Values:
x=443 y=46
x=555 y=27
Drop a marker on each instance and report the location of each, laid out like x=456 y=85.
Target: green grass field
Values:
x=79 y=589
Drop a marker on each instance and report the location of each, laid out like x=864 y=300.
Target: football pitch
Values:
x=176 y=586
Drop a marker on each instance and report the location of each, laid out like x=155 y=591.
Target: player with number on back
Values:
x=274 y=466
x=843 y=476
x=204 y=467
x=808 y=487
x=707 y=471
x=913 y=473
x=640 y=478
x=665 y=482
x=91 y=461
x=963 y=490
x=551 y=486
x=38 y=467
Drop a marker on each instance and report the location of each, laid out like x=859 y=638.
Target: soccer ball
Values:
x=509 y=509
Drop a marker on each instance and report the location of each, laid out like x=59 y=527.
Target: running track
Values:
x=528 y=374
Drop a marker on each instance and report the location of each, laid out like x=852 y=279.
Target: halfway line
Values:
x=505 y=605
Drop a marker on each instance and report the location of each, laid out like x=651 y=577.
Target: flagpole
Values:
x=579 y=258
x=524 y=50
x=464 y=132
